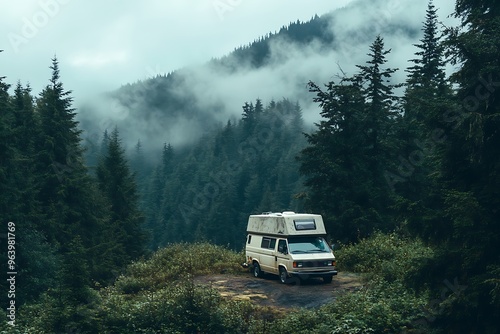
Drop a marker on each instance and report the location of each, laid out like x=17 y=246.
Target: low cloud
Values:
x=290 y=66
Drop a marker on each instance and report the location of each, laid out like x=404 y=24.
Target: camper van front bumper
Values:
x=307 y=274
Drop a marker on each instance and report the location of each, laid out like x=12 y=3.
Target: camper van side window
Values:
x=268 y=243
x=304 y=224
x=249 y=238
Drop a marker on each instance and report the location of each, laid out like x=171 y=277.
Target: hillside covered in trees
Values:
x=405 y=174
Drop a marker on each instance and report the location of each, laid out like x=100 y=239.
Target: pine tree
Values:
x=249 y=118
x=71 y=303
x=6 y=149
x=379 y=126
x=158 y=200
x=167 y=159
x=259 y=107
x=7 y=156
x=428 y=70
x=59 y=155
x=469 y=173
x=248 y=112
x=345 y=162
x=36 y=258
x=26 y=120
x=333 y=172
x=104 y=144
x=427 y=92
x=427 y=97
x=70 y=200
x=297 y=120
x=380 y=112
x=118 y=185
x=138 y=164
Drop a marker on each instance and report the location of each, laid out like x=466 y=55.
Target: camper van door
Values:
x=281 y=254
x=267 y=259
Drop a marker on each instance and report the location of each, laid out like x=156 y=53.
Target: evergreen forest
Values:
x=406 y=175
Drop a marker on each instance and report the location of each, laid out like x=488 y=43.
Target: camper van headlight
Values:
x=297 y=264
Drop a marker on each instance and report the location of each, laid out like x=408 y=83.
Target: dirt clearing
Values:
x=268 y=291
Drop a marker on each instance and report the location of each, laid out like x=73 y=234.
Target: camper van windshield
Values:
x=298 y=245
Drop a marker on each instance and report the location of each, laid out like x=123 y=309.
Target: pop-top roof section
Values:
x=286 y=223
x=278 y=214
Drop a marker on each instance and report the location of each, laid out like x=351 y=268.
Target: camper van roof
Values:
x=281 y=214
x=286 y=223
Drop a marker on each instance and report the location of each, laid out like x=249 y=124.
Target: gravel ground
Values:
x=269 y=291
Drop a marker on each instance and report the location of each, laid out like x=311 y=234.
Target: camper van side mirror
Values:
x=282 y=248
x=332 y=246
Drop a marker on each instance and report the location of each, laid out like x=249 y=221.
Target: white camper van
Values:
x=289 y=244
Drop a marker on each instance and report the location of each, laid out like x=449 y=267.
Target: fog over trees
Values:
x=109 y=227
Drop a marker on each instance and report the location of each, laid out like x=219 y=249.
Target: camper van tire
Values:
x=283 y=275
x=327 y=279
x=256 y=270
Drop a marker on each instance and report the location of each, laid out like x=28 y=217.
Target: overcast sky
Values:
x=104 y=44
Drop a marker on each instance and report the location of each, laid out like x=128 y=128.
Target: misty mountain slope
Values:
x=206 y=192
x=181 y=106
x=259 y=52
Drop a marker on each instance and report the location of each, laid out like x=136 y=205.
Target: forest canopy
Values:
x=399 y=171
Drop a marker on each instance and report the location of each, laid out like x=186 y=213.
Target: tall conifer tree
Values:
x=428 y=97
x=470 y=173
x=68 y=196
x=345 y=162
x=118 y=185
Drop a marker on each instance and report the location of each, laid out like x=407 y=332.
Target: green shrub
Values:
x=178 y=261
x=179 y=308
x=300 y=321
x=382 y=306
x=159 y=296
x=389 y=256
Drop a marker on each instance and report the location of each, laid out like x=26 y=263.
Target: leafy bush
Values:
x=179 y=261
x=183 y=308
x=382 y=306
x=300 y=321
x=389 y=256
x=53 y=315
x=159 y=296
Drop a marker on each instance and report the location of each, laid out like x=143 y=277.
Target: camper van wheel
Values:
x=327 y=279
x=283 y=275
x=256 y=270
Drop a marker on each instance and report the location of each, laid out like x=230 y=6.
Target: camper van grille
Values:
x=313 y=264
